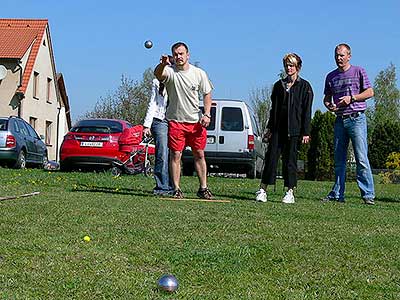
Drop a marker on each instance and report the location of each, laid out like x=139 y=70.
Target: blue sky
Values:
x=240 y=44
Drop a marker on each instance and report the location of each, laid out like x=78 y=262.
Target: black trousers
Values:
x=287 y=146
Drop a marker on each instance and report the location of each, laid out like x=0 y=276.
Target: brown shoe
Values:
x=204 y=193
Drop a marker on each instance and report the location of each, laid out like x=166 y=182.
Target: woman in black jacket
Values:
x=289 y=124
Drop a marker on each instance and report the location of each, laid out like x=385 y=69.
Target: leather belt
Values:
x=352 y=115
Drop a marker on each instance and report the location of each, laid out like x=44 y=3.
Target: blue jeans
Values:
x=354 y=129
x=159 y=130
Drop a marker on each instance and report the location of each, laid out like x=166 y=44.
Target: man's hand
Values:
x=205 y=120
x=330 y=106
x=146 y=132
x=164 y=60
x=267 y=136
x=306 y=139
x=344 y=101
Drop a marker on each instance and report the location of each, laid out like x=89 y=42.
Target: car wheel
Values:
x=20 y=163
x=64 y=167
x=45 y=161
x=188 y=169
x=115 y=171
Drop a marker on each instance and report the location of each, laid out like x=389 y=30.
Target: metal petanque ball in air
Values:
x=168 y=283
x=148 y=44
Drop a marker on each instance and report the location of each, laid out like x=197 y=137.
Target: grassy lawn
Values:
x=236 y=250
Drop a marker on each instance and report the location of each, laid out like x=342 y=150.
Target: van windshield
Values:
x=232 y=119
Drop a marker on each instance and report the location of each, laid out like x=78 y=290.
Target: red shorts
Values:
x=182 y=134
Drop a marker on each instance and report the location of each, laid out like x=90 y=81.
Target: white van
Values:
x=234 y=143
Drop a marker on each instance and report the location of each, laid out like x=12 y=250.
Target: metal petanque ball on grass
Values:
x=148 y=44
x=168 y=283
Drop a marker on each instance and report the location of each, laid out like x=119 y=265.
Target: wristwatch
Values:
x=208 y=116
x=353 y=99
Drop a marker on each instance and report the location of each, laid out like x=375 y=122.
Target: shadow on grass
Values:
x=389 y=200
x=110 y=190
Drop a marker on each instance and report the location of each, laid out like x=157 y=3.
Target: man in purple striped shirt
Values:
x=346 y=90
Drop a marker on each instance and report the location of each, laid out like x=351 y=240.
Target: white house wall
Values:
x=39 y=107
x=8 y=86
x=7 y=89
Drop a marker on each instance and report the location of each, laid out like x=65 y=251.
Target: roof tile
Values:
x=16 y=36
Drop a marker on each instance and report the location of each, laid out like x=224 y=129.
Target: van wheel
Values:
x=252 y=173
x=188 y=169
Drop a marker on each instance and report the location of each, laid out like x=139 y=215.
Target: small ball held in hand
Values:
x=148 y=44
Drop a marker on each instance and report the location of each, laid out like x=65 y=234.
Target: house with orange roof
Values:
x=29 y=85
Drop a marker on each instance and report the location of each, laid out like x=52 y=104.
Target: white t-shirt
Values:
x=156 y=106
x=184 y=88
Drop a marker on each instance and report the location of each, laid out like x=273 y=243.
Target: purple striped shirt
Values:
x=351 y=82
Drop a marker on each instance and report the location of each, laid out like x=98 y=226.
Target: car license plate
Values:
x=92 y=144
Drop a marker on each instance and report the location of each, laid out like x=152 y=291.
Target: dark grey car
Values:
x=20 y=144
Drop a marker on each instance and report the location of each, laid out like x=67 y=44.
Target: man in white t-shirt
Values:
x=186 y=123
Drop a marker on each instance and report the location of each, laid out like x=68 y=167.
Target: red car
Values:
x=95 y=143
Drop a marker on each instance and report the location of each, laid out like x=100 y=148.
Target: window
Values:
x=3 y=124
x=23 y=129
x=48 y=132
x=32 y=131
x=232 y=119
x=254 y=124
x=48 y=90
x=32 y=122
x=100 y=126
x=44 y=42
x=36 y=85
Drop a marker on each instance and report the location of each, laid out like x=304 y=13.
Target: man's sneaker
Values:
x=163 y=192
x=261 y=196
x=329 y=198
x=178 y=194
x=204 y=193
x=369 y=201
x=288 y=198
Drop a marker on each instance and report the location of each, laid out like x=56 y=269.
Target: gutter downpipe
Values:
x=58 y=133
x=20 y=95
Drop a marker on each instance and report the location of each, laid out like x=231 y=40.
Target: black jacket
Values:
x=300 y=97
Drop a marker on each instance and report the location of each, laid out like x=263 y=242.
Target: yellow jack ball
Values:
x=86 y=238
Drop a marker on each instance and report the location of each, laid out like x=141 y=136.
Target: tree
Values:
x=128 y=102
x=384 y=141
x=387 y=95
x=384 y=119
x=260 y=99
x=320 y=154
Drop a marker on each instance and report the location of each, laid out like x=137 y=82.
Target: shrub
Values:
x=393 y=161
x=390 y=177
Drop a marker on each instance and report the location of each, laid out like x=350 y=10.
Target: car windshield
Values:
x=97 y=126
x=3 y=124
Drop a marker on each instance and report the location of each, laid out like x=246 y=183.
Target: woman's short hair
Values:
x=294 y=59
